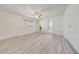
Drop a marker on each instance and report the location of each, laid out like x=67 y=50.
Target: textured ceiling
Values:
x=50 y=10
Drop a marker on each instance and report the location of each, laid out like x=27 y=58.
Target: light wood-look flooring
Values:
x=36 y=43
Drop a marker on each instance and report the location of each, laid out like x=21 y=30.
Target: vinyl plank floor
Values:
x=36 y=43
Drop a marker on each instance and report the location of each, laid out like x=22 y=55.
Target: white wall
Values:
x=71 y=25
x=57 y=24
x=0 y=25
x=13 y=25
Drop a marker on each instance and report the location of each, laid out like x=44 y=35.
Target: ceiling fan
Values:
x=38 y=13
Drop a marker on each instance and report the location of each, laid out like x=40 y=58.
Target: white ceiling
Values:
x=50 y=10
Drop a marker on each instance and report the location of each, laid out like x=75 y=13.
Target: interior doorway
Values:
x=45 y=26
x=39 y=26
x=50 y=26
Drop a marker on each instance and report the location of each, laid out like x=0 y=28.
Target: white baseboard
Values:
x=3 y=38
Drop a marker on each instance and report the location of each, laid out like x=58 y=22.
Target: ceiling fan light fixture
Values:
x=38 y=13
